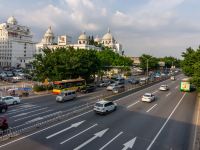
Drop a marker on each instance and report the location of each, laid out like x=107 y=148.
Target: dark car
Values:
x=3 y=107
x=133 y=81
x=88 y=89
x=3 y=123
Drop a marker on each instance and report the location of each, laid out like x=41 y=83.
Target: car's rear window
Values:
x=99 y=105
x=147 y=95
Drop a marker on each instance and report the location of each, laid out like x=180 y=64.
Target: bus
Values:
x=185 y=85
x=71 y=84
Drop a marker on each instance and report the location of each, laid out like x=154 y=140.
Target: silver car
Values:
x=9 y=100
x=66 y=95
x=103 y=106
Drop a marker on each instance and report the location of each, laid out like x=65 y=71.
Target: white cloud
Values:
x=156 y=27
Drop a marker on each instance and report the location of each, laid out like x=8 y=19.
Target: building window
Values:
x=24 y=60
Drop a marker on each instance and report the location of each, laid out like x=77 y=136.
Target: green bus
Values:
x=185 y=85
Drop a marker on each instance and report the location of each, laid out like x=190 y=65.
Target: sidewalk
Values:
x=196 y=143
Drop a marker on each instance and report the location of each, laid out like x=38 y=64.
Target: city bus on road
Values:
x=185 y=85
x=71 y=84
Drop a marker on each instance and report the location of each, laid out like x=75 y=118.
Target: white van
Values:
x=66 y=95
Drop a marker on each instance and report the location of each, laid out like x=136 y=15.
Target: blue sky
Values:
x=155 y=27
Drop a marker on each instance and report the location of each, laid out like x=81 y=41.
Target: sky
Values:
x=155 y=27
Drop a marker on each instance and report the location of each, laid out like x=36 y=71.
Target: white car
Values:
x=18 y=78
x=111 y=86
x=163 y=88
x=9 y=100
x=148 y=97
x=103 y=106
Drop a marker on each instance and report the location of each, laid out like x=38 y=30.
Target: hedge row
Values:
x=38 y=88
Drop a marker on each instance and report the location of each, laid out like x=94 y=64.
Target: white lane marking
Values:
x=21 y=105
x=96 y=135
x=111 y=141
x=22 y=114
x=32 y=115
x=155 y=92
x=151 y=108
x=154 y=139
x=129 y=144
x=74 y=125
x=17 y=111
x=168 y=94
x=141 y=90
x=196 y=125
x=34 y=120
x=176 y=87
x=78 y=134
x=133 y=104
x=24 y=137
x=43 y=117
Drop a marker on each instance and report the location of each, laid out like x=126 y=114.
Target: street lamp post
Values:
x=147 y=67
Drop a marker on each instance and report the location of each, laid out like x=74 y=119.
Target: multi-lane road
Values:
x=165 y=124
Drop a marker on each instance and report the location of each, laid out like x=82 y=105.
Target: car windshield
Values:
x=99 y=105
x=147 y=95
x=62 y=94
x=163 y=86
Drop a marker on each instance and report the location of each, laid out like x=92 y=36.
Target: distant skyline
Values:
x=156 y=27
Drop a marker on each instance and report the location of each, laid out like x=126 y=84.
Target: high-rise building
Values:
x=16 y=45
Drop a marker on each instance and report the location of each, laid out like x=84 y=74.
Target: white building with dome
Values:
x=16 y=45
x=47 y=40
x=109 y=41
x=82 y=42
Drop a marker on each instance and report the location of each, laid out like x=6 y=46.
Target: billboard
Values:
x=161 y=63
x=62 y=40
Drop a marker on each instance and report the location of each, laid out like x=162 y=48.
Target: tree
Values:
x=169 y=61
x=191 y=65
x=69 y=63
x=152 y=62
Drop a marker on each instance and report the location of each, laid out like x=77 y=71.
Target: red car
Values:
x=3 y=123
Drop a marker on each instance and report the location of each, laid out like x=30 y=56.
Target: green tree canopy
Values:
x=152 y=62
x=68 y=63
x=191 y=65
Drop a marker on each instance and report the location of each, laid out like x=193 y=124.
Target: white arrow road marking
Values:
x=151 y=108
x=176 y=87
x=72 y=126
x=152 y=142
x=78 y=134
x=168 y=94
x=96 y=135
x=111 y=141
x=129 y=144
x=133 y=104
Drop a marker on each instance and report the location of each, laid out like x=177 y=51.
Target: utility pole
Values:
x=147 y=67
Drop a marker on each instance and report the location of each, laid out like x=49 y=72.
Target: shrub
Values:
x=38 y=88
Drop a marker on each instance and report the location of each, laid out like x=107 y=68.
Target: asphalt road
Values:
x=165 y=124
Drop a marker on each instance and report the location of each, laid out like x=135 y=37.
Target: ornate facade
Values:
x=16 y=45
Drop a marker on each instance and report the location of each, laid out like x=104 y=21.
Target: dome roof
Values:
x=108 y=36
x=83 y=36
x=49 y=32
x=12 y=20
x=97 y=39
